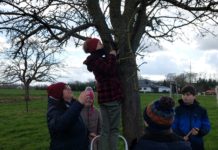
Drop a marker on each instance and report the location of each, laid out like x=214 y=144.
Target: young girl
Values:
x=91 y=116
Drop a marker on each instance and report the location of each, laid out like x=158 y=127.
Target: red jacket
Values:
x=105 y=71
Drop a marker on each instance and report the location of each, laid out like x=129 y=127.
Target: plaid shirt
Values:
x=106 y=75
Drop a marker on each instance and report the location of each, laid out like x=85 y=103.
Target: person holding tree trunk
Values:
x=104 y=67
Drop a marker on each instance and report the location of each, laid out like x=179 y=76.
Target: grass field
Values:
x=20 y=130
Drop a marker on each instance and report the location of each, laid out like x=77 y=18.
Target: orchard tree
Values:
x=129 y=23
x=34 y=62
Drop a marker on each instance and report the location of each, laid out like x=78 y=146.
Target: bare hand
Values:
x=82 y=97
x=92 y=135
x=113 y=52
x=195 y=131
x=186 y=138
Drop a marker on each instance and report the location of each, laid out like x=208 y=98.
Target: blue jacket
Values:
x=161 y=141
x=188 y=117
x=66 y=128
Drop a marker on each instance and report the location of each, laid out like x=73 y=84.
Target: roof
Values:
x=145 y=83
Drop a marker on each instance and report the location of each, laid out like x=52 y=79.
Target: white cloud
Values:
x=173 y=58
x=179 y=57
x=154 y=77
x=211 y=58
x=160 y=63
x=74 y=69
x=72 y=74
x=209 y=41
x=3 y=44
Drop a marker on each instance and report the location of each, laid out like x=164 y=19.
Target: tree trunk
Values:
x=27 y=96
x=131 y=108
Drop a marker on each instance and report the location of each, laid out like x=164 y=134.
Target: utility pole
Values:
x=216 y=90
x=190 y=73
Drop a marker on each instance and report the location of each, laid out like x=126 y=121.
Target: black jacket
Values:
x=66 y=127
x=161 y=141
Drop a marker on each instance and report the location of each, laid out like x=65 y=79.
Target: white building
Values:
x=149 y=86
x=145 y=86
x=145 y=89
x=162 y=89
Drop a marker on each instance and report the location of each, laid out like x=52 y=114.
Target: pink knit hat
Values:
x=91 y=95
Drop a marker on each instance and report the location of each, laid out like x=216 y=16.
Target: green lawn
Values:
x=28 y=131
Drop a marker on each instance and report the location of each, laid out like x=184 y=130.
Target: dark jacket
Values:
x=66 y=127
x=161 y=141
x=106 y=75
x=188 y=117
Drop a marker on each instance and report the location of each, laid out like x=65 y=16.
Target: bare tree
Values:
x=35 y=62
x=127 y=22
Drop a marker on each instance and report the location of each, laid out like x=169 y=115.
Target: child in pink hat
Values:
x=91 y=116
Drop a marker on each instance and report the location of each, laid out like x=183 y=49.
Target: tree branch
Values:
x=99 y=21
x=207 y=7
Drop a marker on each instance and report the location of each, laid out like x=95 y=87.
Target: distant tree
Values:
x=191 y=77
x=40 y=87
x=212 y=83
x=165 y=83
x=203 y=85
x=80 y=86
x=181 y=80
x=34 y=62
x=170 y=77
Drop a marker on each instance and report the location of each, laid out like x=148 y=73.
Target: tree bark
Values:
x=27 y=97
x=131 y=107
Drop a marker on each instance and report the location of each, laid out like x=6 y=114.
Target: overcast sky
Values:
x=176 y=57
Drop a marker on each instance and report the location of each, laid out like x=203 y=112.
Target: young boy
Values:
x=91 y=116
x=104 y=67
x=191 y=120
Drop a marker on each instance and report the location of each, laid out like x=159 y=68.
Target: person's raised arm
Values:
x=61 y=122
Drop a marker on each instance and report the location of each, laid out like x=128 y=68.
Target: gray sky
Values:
x=201 y=52
x=173 y=58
